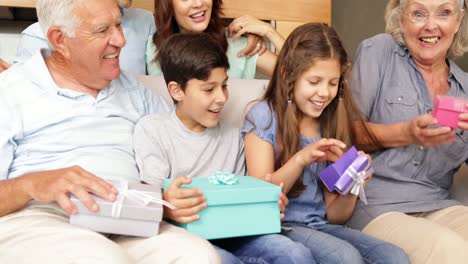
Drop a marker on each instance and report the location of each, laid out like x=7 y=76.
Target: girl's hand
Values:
x=369 y=174
x=188 y=202
x=420 y=131
x=321 y=150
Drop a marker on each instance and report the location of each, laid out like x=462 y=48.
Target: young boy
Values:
x=191 y=142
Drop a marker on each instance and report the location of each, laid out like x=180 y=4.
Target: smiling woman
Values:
x=174 y=16
x=396 y=78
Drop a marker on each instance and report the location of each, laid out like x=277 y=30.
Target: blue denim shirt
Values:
x=389 y=88
x=309 y=207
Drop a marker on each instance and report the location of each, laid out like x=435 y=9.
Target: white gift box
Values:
x=137 y=211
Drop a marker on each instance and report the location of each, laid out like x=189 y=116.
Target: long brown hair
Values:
x=166 y=24
x=307 y=44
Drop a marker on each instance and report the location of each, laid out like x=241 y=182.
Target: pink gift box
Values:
x=448 y=108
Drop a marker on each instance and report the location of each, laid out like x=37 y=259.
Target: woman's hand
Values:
x=247 y=24
x=421 y=131
x=463 y=124
x=255 y=44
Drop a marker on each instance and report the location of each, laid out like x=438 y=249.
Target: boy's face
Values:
x=200 y=105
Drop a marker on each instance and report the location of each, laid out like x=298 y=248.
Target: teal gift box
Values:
x=249 y=207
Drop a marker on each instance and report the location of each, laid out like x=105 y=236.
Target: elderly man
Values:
x=66 y=122
x=137 y=24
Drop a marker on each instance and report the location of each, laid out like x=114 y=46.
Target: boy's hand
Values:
x=283 y=199
x=188 y=202
x=321 y=150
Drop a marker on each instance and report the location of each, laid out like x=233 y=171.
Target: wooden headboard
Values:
x=288 y=14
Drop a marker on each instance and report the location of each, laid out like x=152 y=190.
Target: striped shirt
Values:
x=45 y=127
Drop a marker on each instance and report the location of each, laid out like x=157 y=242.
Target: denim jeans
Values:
x=339 y=244
x=264 y=249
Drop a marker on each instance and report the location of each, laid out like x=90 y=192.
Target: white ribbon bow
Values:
x=141 y=197
x=357 y=187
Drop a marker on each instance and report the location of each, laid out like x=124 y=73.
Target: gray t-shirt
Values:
x=389 y=88
x=165 y=148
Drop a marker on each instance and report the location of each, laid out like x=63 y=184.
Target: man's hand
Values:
x=3 y=65
x=188 y=202
x=56 y=185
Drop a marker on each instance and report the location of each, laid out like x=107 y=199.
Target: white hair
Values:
x=57 y=13
x=393 y=14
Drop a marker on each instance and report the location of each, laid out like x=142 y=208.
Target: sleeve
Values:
x=32 y=40
x=152 y=66
x=7 y=143
x=150 y=156
x=240 y=67
x=261 y=122
x=240 y=163
x=366 y=75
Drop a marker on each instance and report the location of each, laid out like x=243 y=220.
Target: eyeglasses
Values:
x=441 y=15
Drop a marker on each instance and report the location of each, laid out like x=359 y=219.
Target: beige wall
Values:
x=356 y=20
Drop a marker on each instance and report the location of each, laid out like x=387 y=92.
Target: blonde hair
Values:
x=393 y=15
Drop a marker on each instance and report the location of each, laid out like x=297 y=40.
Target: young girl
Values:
x=304 y=119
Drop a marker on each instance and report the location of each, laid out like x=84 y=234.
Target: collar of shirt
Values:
x=455 y=72
x=39 y=74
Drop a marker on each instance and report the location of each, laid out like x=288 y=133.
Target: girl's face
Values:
x=317 y=87
x=192 y=15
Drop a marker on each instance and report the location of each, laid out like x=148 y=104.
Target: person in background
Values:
x=174 y=16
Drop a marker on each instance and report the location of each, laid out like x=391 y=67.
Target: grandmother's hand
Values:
x=422 y=131
x=463 y=124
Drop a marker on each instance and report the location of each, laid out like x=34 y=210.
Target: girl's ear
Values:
x=175 y=91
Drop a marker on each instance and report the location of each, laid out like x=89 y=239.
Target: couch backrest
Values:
x=241 y=93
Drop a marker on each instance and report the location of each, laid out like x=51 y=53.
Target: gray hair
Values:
x=57 y=13
x=393 y=14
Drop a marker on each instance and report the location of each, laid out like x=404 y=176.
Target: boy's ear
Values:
x=175 y=91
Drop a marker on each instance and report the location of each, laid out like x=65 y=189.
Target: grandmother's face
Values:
x=429 y=27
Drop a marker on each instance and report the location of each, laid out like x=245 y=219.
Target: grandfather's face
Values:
x=95 y=49
x=429 y=27
x=124 y=3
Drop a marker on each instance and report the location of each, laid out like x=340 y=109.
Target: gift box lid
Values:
x=131 y=209
x=246 y=190
x=450 y=103
x=332 y=173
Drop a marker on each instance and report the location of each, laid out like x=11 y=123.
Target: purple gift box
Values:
x=347 y=174
x=447 y=109
x=331 y=174
x=137 y=211
x=346 y=182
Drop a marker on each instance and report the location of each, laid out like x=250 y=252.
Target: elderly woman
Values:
x=396 y=78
